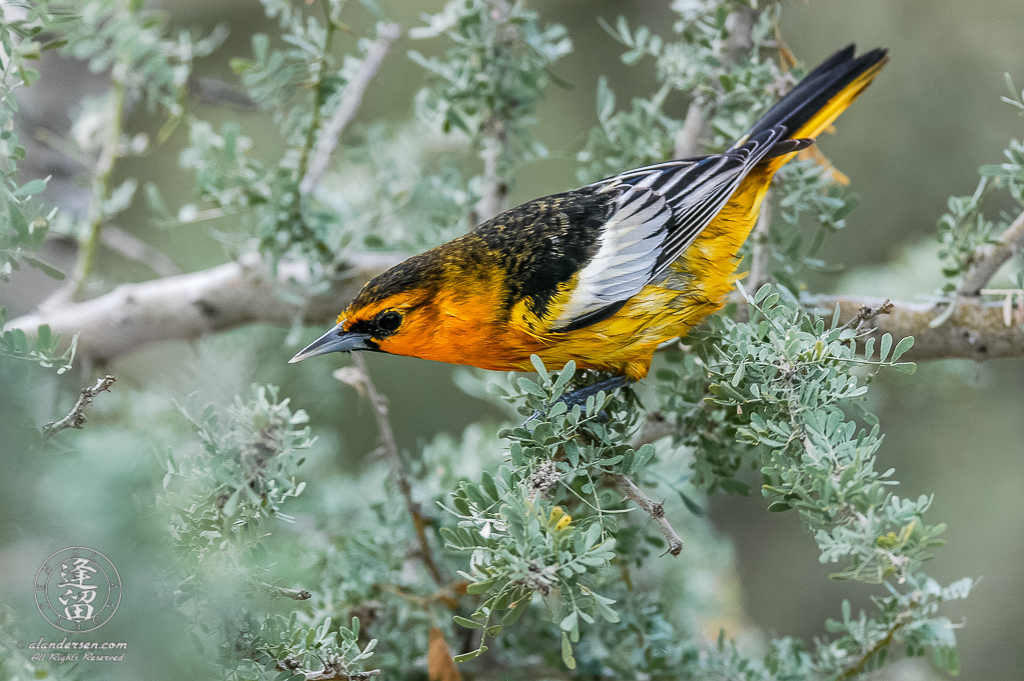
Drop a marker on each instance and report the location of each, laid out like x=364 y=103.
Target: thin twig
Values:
x=346 y=110
x=759 y=251
x=278 y=591
x=990 y=258
x=101 y=174
x=494 y=198
x=866 y=313
x=76 y=417
x=318 y=100
x=656 y=509
x=331 y=672
x=857 y=668
x=134 y=248
x=387 y=440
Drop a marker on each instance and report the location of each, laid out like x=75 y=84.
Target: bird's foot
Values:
x=579 y=397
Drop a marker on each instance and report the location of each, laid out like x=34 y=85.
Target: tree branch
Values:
x=976 y=329
x=856 y=668
x=688 y=139
x=866 y=313
x=346 y=111
x=759 y=248
x=494 y=198
x=279 y=591
x=134 y=248
x=990 y=258
x=387 y=441
x=655 y=509
x=76 y=417
x=190 y=306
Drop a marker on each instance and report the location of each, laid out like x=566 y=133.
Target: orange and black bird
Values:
x=603 y=274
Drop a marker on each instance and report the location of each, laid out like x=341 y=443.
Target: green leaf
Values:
x=467 y=623
x=529 y=386
x=902 y=347
x=691 y=505
x=514 y=614
x=489 y=487
x=18 y=221
x=568 y=622
x=642 y=457
x=883 y=350
x=46 y=268
x=481 y=587
x=32 y=187
x=567 y=657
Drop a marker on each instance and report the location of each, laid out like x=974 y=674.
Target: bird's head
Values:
x=390 y=314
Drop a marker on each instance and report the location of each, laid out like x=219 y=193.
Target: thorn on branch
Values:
x=76 y=417
x=656 y=509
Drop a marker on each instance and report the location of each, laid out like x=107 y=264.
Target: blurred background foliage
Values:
x=956 y=429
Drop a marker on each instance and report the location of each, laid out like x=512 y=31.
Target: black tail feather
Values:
x=817 y=88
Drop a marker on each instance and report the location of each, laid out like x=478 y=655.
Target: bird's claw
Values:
x=580 y=396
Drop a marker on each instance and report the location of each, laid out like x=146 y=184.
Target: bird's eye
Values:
x=389 y=321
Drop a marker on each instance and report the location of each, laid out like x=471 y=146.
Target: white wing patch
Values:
x=660 y=211
x=629 y=247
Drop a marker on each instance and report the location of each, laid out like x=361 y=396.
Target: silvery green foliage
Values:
x=24 y=219
x=965 y=228
x=488 y=84
x=771 y=394
x=301 y=85
x=144 y=64
x=147 y=63
x=545 y=566
x=138 y=49
x=402 y=189
x=221 y=498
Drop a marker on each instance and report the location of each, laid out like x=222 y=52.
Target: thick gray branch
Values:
x=976 y=330
x=990 y=258
x=189 y=306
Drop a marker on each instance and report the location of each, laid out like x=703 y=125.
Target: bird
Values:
x=604 y=274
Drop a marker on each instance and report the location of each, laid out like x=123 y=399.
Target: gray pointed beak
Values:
x=335 y=340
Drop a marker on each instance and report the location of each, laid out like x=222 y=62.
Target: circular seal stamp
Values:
x=77 y=589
